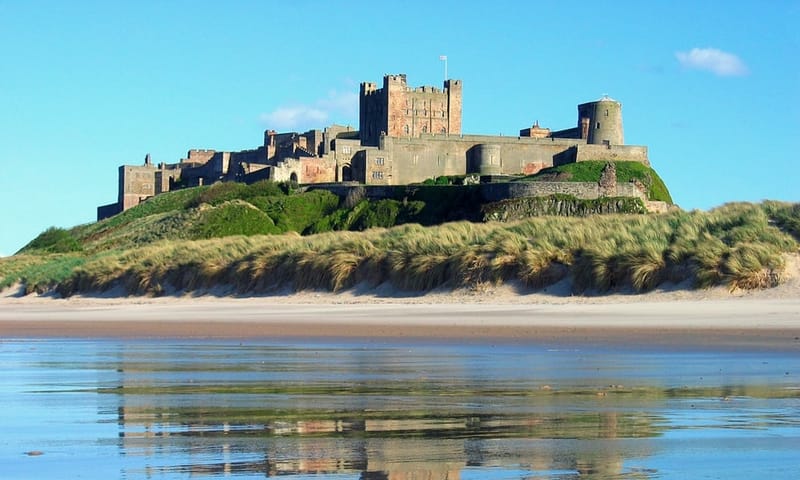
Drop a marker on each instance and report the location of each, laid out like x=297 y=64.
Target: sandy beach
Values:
x=671 y=317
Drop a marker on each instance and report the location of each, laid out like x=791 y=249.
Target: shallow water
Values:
x=394 y=410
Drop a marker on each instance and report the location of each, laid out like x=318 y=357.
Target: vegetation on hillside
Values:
x=592 y=170
x=560 y=205
x=738 y=245
x=55 y=240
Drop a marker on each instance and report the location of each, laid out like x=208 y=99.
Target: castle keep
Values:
x=406 y=135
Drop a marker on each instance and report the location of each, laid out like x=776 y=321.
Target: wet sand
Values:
x=735 y=322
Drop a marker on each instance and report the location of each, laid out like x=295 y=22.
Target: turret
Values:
x=600 y=122
x=454 y=102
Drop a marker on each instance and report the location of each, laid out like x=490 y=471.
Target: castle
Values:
x=406 y=135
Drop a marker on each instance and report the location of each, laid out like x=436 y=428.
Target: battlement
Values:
x=198 y=156
x=368 y=88
x=427 y=89
x=399 y=79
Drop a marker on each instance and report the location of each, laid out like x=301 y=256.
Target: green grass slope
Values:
x=590 y=172
x=226 y=209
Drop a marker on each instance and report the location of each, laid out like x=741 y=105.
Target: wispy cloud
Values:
x=337 y=105
x=288 y=118
x=713 y=60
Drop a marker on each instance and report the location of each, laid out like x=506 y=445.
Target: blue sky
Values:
x=711 y=87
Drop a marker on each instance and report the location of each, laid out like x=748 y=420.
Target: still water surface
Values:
x=394 y=410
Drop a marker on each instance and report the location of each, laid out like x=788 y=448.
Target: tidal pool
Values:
x=394 y=410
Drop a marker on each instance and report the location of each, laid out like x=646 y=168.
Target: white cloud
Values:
x=289 y=118
x=721 y=63
x=337 y=105
x=341 y=103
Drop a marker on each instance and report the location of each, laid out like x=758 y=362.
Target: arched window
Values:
x=406 y=130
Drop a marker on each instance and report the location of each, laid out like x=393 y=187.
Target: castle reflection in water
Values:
x=574 y=445
x=390 y=412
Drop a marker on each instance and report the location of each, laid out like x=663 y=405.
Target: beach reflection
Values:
x=395 y=448
x=397 y=411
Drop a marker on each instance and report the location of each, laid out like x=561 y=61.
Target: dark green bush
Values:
x=234 y=218
x=442 y=180
x=218 y=193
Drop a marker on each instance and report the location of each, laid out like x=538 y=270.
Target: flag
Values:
x=442 y=57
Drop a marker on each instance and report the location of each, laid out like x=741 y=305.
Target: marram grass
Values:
x=737 y=245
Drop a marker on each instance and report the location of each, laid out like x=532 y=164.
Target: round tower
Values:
x=604 y=121
x=488 y=159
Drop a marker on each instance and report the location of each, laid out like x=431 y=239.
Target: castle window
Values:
x=377 y=175
x=424 y=129
x=415 y=160
x=606 y=112
x=444 y=130
x=598 y=125
x=424 y=113
x=406 y=130
x=346 y=149
x=380 y=160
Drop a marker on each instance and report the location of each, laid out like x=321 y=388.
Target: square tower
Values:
x=399 y=111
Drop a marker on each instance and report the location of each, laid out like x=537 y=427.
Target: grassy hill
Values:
x=256 y=238
x=592 y=170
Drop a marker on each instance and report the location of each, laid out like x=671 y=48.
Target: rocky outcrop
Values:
x=560 y=205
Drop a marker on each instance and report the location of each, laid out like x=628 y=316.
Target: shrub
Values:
x=232 y=218
x=383 y=213
x=442 y=180
x=54 y=240
x=301 y=211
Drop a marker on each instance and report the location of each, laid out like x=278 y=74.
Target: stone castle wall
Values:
x=413 y=160
x=136 y=183
x=199 y=156
x=304 y=170
x=614 y=153
x=495 y=192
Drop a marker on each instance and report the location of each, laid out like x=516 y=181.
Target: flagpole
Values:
x=444 y=59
